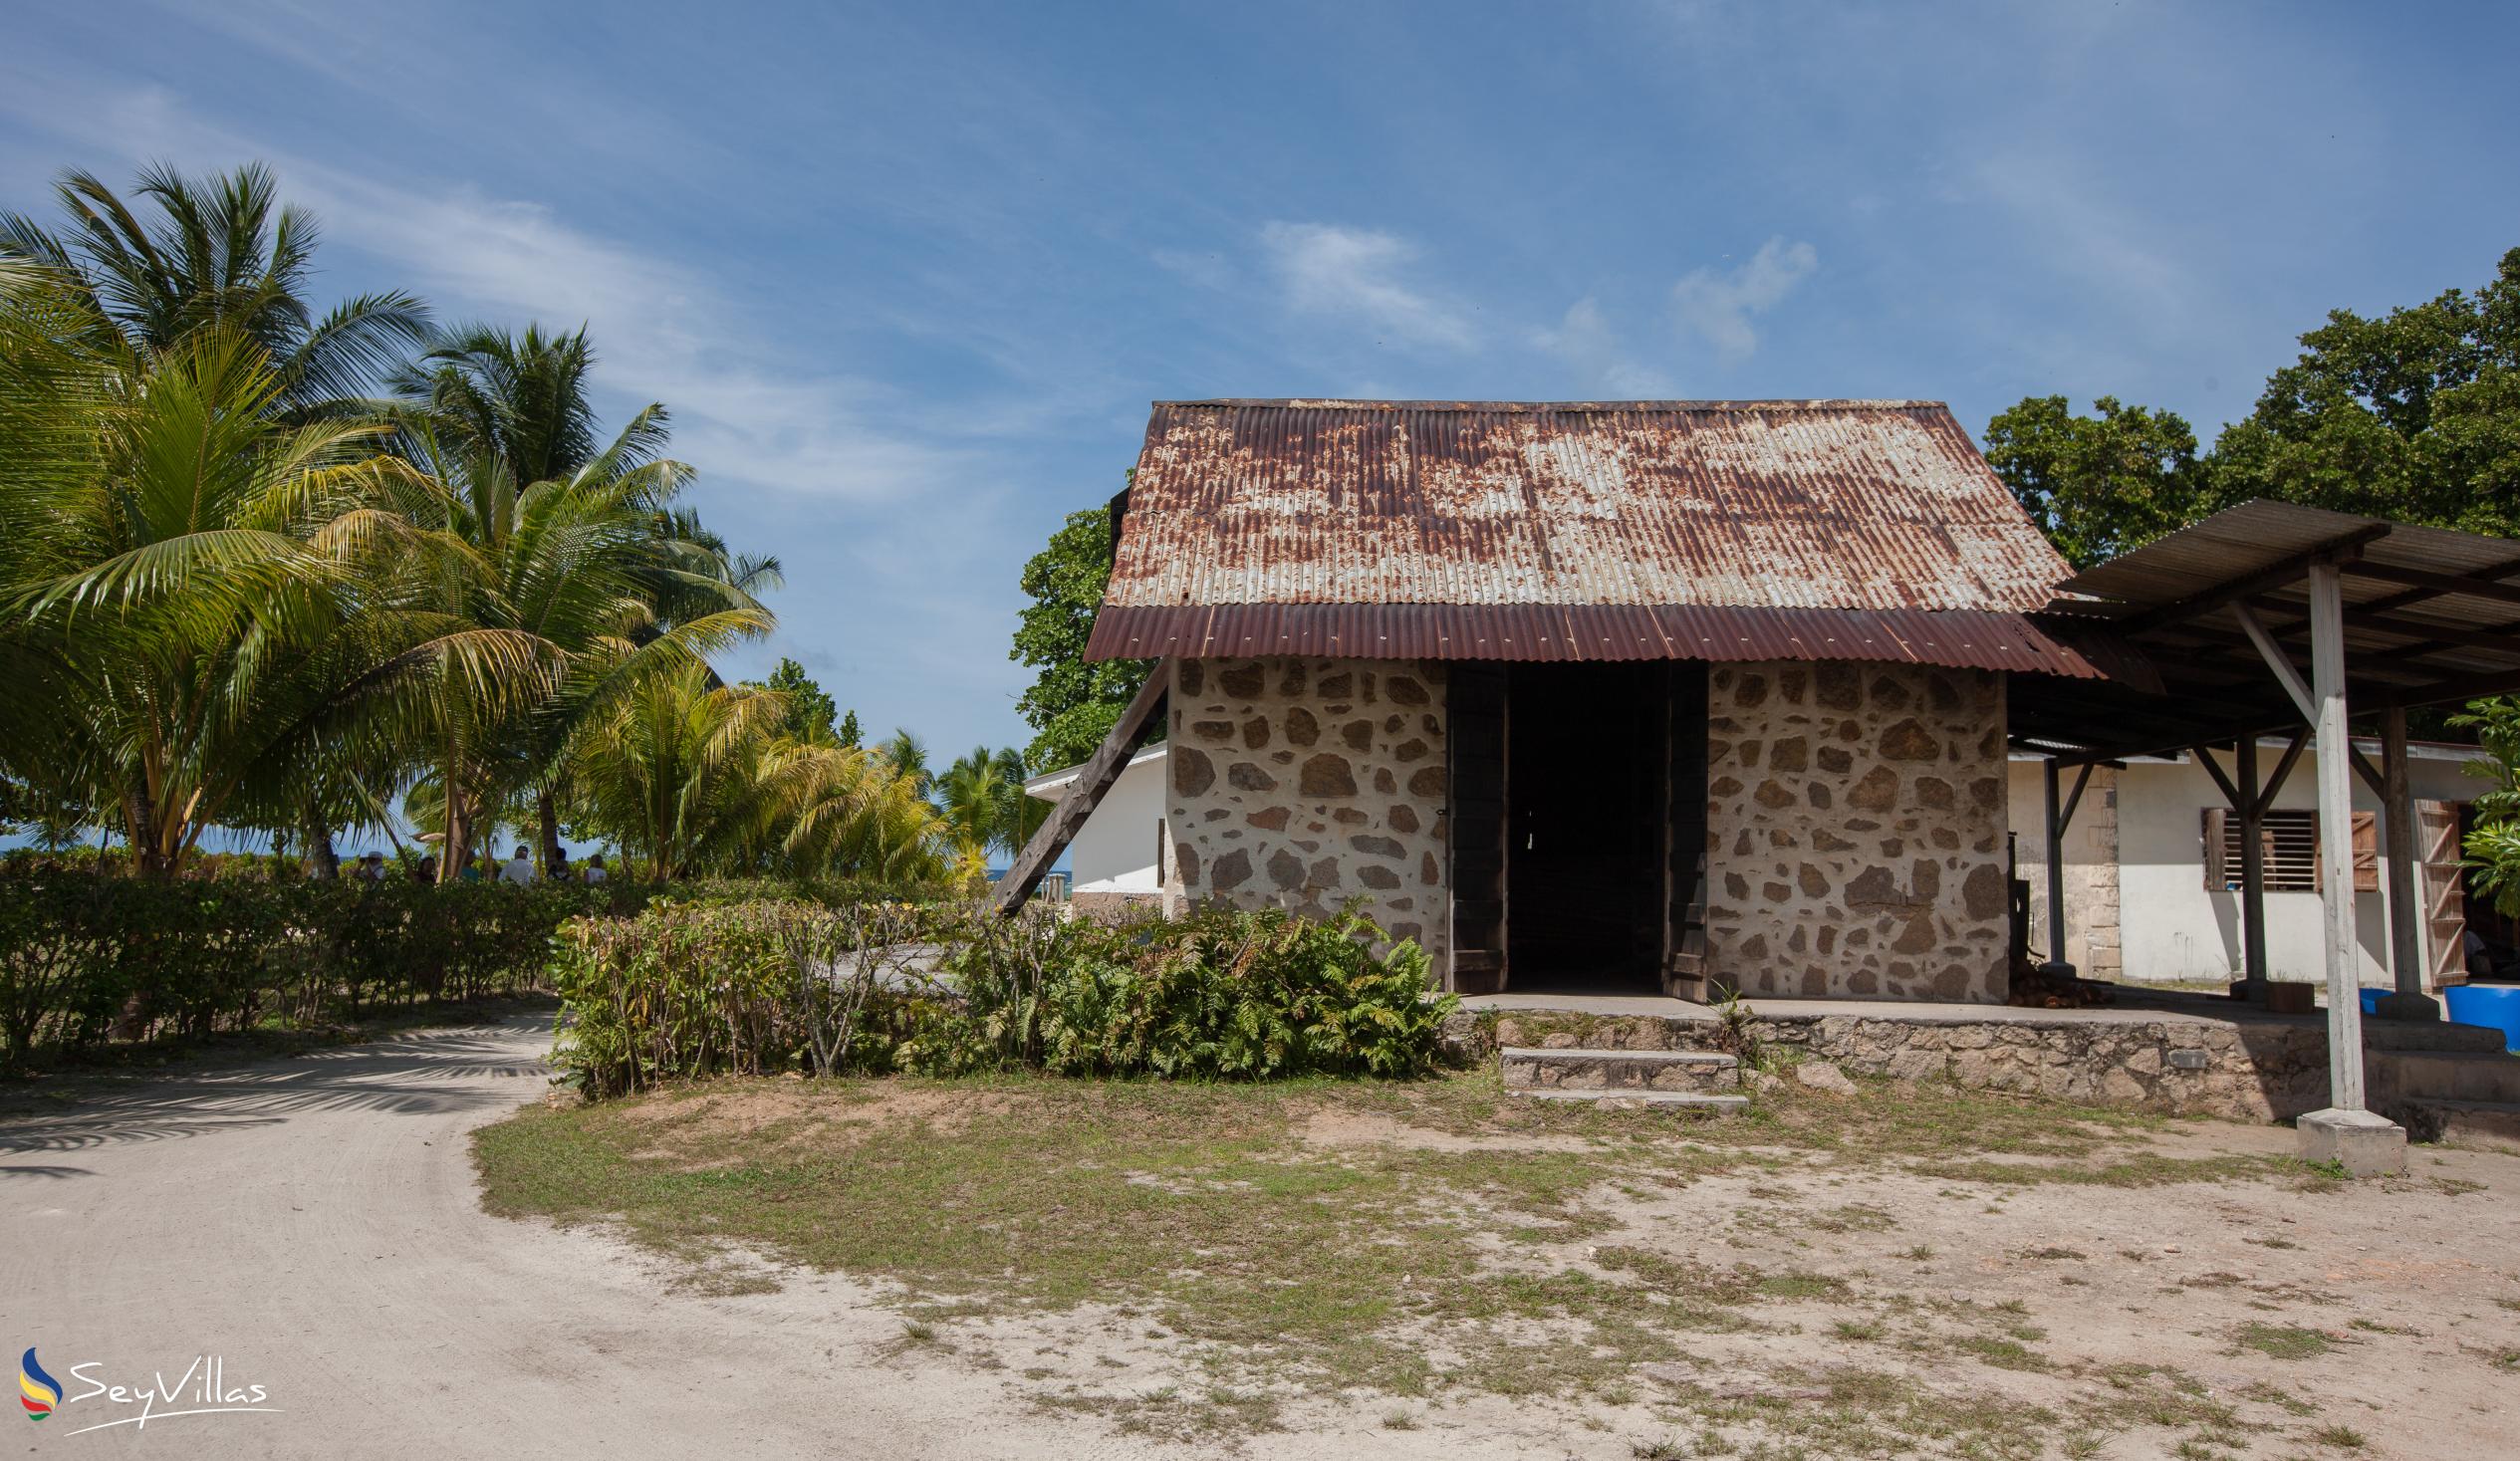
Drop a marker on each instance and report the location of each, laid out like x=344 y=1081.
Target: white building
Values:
x=2146 y=896
x=1117 y=857
x=2152 y=873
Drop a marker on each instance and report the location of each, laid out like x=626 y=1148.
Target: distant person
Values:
x=559 y=865
x=471 y=871
x=518 y=871
x=428 y=871
x=371 y=867
x=595 y=868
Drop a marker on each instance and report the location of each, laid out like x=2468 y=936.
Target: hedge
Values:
x=88 y=957
x=681 y=992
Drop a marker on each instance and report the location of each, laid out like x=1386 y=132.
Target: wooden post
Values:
x=2055 y=868
x=2336 y=838
x=2252 y=874
x=2409 y=919
x=1094 y=780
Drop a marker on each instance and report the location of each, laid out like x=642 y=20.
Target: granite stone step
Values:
x=2445 y=1075
x=1696 y=1100
x=1528 y=1067
x=2419 y=1035
x=2489 y=1124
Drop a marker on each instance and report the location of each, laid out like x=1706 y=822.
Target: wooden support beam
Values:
x=2055 y=867
x=2371 y=774
x=2493 y=583
x=2274 y=575
x=2205 y=758
x=2407 y=916
x=2335 y=840
x=2252 y=806
x=1094 y=781
x=2283 y=769
x=2286 y=675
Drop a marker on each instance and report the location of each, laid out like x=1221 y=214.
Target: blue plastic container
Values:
x=2497 y=1005
x=2370 y=999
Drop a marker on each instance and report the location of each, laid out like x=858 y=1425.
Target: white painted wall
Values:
x=2170 y=927
x=1115 y=849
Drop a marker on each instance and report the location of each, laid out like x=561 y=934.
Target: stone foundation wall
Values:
x=1301 y=783
x=1115 y=906
x=2240 y=1073
x=1855 y=831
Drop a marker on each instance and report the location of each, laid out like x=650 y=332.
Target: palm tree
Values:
x=222 y=252
x=219 y=254
x=910 y=759
x=694 y=776
x=205 y=593
x=574 y=566
x=984 y=805
x=508 y=416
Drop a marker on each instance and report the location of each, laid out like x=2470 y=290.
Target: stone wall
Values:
x=1855 y=831
x=2256 y=1072
x=1304 y=782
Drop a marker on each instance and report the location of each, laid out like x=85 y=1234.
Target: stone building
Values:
x=1636 y=696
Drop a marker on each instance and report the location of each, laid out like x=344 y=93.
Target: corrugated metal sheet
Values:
x=1821 y=528
x=1959 y=636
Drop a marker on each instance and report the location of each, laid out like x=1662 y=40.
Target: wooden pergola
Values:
x=2270 y=619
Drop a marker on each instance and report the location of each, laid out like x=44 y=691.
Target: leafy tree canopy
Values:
x=810 y=710
x=2098 y=485
x=1072 y=704
x=2412 y=415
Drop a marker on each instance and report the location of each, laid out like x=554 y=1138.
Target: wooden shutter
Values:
x=2367 y=851
x=2442 y=890
x=1685 y=832
x=1474 y=820
x=2219 y=875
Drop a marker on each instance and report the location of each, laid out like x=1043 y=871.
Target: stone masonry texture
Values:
x=1301 y=783
x=1856 y=828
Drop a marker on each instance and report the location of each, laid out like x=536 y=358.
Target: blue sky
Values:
x=909 y=277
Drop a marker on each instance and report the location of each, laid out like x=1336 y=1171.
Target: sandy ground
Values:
x=312 y=1223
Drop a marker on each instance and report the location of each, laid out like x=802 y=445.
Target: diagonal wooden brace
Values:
x=1094 y=780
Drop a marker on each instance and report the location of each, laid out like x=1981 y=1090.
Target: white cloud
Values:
x=1353 y=273
x=662 y=329
x=1586 y=342
x=1719 y=306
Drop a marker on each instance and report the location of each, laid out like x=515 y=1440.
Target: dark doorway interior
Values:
x=1587 y=802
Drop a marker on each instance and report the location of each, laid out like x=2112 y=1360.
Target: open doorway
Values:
x=1587 y=819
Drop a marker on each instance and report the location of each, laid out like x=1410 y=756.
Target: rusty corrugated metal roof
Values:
x=1702 y=530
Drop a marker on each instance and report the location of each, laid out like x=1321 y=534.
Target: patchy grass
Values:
x=2283 y=1341
x=1353 y=1244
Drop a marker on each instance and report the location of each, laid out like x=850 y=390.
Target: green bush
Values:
x=1224 y=994
x=89 y=955
x=685 y=990
x=688 y=990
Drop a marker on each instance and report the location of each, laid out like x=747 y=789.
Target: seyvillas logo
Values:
x=204 y=1388
x=37 y=1392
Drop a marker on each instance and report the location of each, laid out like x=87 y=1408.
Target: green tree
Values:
x=2414 y=415
x=849 y=734
x=220 y=250
x=693 y=776
x=810 y=710
x=1072 y=704
x=2101 y=484
x=217 y=606
x=585 y=538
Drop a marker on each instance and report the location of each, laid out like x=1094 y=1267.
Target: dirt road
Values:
x=312 y=1225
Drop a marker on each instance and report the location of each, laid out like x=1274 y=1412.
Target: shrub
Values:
x=1224 y=994
x=685 y=990
x=688 y=990
x=88 y=954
